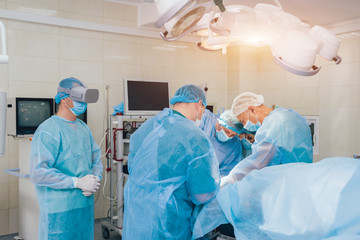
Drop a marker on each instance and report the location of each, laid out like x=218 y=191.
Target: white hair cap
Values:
x=244 y=100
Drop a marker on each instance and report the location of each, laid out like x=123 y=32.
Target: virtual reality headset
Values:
x=78 y=91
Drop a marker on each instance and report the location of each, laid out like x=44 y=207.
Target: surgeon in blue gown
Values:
x=282 y=136
x=65 y=166
x=224 y=134
x=172 y=168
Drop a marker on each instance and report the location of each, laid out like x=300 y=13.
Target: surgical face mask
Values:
x=246 y=143
x=78 y=109
x=197 y=122
x=222 y=136
x=251 y=126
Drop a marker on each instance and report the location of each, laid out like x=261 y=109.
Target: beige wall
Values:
x=41 y=55
x=332 y=94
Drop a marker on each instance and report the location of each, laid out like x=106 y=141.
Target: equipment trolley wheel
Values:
x=105 y=232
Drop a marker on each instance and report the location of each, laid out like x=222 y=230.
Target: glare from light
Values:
x=176 y=46
x=252 y=40
x=203 y=32
x=165 y=49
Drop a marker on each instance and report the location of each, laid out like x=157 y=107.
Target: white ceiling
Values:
x=313 y=12
x=323 y=12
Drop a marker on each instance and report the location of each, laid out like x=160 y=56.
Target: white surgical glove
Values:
x=89 y=183
x=88 y=194
x=97 y=178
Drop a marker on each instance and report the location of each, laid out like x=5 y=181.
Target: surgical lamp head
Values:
x=188 y=94
x=76 y=90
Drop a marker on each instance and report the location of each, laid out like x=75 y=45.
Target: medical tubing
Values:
x=103 y=190
x=102 y=140
x=108 y=150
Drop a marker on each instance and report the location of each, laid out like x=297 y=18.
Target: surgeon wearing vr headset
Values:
x=65 y=166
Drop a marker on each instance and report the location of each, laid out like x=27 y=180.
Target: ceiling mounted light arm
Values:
x=278 y=4
x=200 y=46
x=220 y=5
x=172 y=11
x=4 y=58
x=218 y=31
x=337 y=59
x=163 y=35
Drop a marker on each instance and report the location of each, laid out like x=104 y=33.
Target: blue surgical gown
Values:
x=228 y=153
x=60 y=150
x=293 y=201
x=172 y=168
x=284 y=137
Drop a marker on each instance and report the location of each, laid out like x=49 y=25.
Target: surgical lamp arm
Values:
x=220 y=4
x=278 y=4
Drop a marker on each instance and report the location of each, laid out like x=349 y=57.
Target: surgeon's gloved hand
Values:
x=227 y=180
x=97 y=179
x=89 y=183
x=88 y=194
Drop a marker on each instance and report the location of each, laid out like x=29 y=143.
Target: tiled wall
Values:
x=41 y=55
x=332 y=94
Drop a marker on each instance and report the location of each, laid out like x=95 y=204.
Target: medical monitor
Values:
x=144 y=97
x=26 y=114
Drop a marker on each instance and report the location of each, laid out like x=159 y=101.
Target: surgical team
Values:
x=178 y=160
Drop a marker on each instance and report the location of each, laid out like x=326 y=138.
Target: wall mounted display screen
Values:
x=31 y=112
x=313 y=122
x=144 y=97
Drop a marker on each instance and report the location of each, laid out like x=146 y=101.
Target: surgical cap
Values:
x=68 y=83
x=228 y=120
x=244 y=100
x=189 y=93
x=61 y=95
x=71 y=82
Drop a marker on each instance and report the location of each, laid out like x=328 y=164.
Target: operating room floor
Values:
x=97 y=234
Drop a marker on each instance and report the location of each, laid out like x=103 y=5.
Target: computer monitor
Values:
x=26 y=114
x=145 y=97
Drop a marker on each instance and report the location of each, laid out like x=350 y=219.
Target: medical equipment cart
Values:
x=119 y=139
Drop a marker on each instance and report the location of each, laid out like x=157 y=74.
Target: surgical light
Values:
x=219 y=24
x=194 y=16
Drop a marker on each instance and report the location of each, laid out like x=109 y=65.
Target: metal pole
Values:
x=119 y=171
x=109 y=155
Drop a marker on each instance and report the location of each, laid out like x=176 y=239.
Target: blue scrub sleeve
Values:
x=203 y=178
x=262 y=155
x=97 y=167
x=44 y=150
